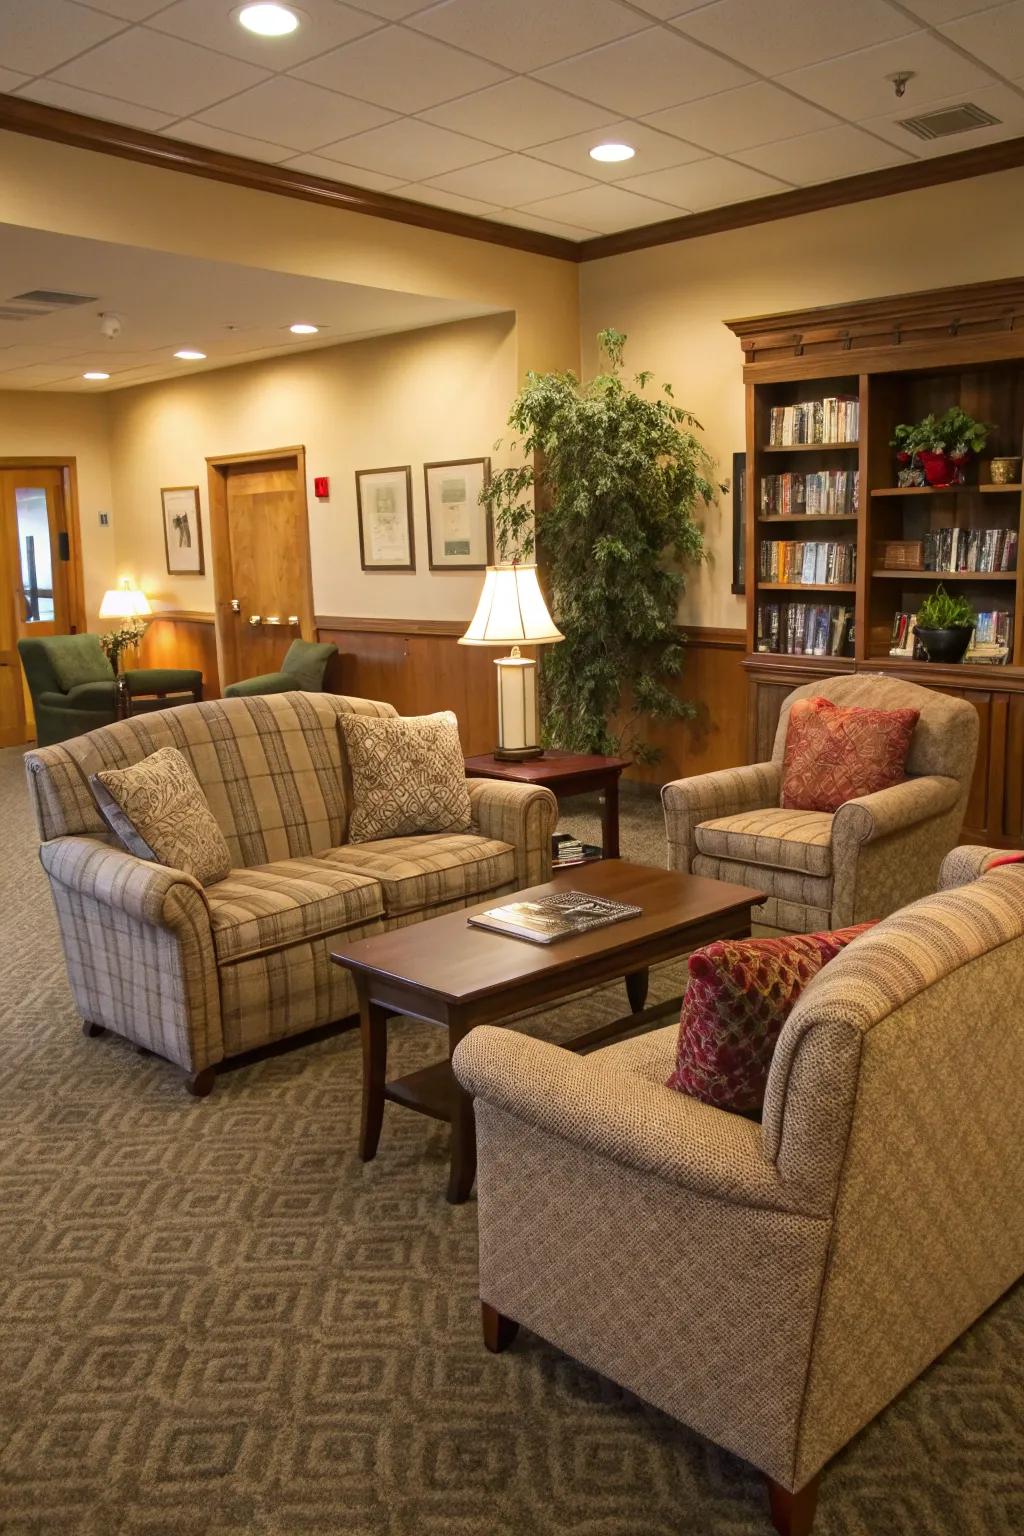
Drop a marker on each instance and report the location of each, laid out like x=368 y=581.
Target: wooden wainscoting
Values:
x=179 y=639
x=713 y=680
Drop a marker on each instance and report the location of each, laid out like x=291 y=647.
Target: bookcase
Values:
x=895 y=360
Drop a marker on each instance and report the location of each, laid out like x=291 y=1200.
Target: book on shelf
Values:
x=805 y=629
x=822 y=493
x=569 y=850
x=984 y=550
x=991 y=644
x=562 y=915
x=807 y=562
x=836 y=419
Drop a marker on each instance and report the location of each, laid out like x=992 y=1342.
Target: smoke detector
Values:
x=111 y=326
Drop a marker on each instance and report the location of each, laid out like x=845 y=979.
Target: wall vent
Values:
x=52 y=297
x=947 y=120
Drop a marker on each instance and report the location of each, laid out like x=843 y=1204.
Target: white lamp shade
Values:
x=511 y=610
x=124 y=603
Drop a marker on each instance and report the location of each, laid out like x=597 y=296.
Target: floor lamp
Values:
x=512 y=611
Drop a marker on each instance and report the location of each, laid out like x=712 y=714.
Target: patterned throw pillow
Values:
x=161 y=807
x=740 y=993
x=408 y=775
x=834 y=755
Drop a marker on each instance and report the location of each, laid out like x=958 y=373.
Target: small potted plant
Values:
x=944 y=626
x=941 y=446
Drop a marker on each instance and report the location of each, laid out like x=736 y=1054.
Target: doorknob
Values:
x=254 y=618
x=236 y=606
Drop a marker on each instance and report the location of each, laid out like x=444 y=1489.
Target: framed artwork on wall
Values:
x=384 y=503
x=739 y=523
x=183 y=530
x=458 y=527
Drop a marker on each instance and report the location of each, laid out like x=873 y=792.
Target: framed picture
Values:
x=458 y=527
x=384 y=501
x=739 y=523
x=183 y=530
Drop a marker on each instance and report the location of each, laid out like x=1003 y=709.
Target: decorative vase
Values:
x=1006 y=470
x=947 y=645
x=939 y=468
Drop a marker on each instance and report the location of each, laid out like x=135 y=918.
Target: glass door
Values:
x=33 y=581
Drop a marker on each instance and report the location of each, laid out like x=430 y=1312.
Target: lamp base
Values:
x=517 y=754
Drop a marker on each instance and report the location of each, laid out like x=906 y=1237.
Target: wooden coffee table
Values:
x=447 y=973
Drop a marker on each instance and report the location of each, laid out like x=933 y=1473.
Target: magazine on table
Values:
x=563 y=915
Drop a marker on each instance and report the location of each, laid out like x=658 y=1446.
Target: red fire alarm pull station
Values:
x=322 y=487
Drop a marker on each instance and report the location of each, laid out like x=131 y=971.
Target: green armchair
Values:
x=74 y=688
x=303 y=668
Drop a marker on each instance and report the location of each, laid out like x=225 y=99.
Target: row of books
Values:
x=991 y=644
x=807 y=562
x=971 y=549
x=805 y=629
x=826 y=492
x=836 y=419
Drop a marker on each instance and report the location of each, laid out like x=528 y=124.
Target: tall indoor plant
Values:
x=617 y=476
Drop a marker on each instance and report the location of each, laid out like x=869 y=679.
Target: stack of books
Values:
x=971 y=549
x=568 y=850
x=826 y=492
x=807 y=563
x=991 y=644
x=805 y=629
x=836 y=419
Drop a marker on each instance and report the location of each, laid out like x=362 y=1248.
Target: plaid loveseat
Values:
x=200 y=975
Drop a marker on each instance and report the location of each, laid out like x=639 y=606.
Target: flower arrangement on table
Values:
x=131 y=607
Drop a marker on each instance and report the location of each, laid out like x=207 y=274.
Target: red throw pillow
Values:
x=740 y=994
x=1004 y=858
x=834 y=755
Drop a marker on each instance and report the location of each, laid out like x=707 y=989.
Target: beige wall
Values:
x=672 y=300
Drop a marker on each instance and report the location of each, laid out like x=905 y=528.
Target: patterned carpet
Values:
x=214 y=1321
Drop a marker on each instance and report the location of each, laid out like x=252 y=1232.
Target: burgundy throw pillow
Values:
x=834 y=755
x=740 y=993
x=1004 y=858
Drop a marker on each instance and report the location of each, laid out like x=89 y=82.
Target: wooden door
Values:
x=261 y=563
x=34 y=559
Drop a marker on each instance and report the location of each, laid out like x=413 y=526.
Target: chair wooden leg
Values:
x=499 y=1331
x=793 y=1513
x=92 y=1031
x=200 y=1084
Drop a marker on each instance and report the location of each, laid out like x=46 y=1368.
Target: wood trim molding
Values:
x=451 y=629
x=711 y=639
x=183 y=616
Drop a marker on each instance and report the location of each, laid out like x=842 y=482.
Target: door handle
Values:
x=254 y=618
x=272 y=618
x=293 y=618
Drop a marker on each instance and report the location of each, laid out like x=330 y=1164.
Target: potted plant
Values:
x=945 y=625
x=941 y=445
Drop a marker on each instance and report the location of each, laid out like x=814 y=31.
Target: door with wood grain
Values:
x=261 y=562
x=34 y=559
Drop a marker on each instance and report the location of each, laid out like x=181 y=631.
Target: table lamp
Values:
x=129 y=605
x=512 y=611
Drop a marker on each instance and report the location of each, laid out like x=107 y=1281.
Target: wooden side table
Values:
x=564 y=773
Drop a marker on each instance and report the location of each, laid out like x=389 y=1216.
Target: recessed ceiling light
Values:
x=611 y=153
x=304 y=330
x=187 y=355
x=96 y=376
x=268 y=20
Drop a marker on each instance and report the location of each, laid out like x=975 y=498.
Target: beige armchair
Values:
x=822 y=870
x=774 y=1285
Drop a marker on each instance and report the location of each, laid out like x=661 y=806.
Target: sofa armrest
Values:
x=524 y=815
x=890 y=810
x=965 y=864
x=150 y=893
x=615 y=1114
x=688 y=802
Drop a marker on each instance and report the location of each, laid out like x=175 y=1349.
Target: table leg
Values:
x=462 y=1168
x=636 y=989
x=373 y=1027
x=610 y=819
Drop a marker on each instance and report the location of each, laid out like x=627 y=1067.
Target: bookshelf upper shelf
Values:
x=810 y=517
x=806 y=447
x=945 y=490
x=807 y=586
x=943 y=576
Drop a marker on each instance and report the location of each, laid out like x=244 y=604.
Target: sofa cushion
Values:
x=163 y=804
x=778 y=839
x=77 y=659
x=417 y=873
x=739 y=996
x=834 y=755
x=408 y=776
x=274 y=905
x=92 y=696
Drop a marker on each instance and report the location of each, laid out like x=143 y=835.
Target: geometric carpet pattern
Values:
x=215 y=1321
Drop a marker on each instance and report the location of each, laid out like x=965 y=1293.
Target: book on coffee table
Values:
x=562 y=915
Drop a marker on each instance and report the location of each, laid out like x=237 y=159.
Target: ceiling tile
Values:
x=35 y=37
x=754 y=114
x=855 y=86
x=437 y=198
x=996 y=36
x=9 y=80
x=230 y=143
x=773 y=35
x=654 y=151
x=934 y=11
x=159 y=72
x=511 y=180
x=411 y=150
x=604 y=209
x=707 y=184
x=518 y=113
x=666 y=10
x=300 y=115
x=643 y=73
x=54 y=94
x=394 y=10
x=325 y=24
x=336 y=170
x=1000 y=100
x=529 y=33
x=826 y=155
x=401 y=70
x=524 y=220
x=128 y=10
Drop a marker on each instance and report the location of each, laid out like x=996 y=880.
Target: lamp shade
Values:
x=511 y=610
x=124 y=603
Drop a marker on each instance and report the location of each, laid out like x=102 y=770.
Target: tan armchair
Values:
x=774 y=1285
x=823 y=870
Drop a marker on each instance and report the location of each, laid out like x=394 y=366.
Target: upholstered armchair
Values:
x=74 y=689
x=828 y=870
x=303 y=667
x=775 y=1285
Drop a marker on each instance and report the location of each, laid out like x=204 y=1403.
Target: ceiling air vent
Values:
x=8 y=312
x=52 y=297
x=939 y=125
